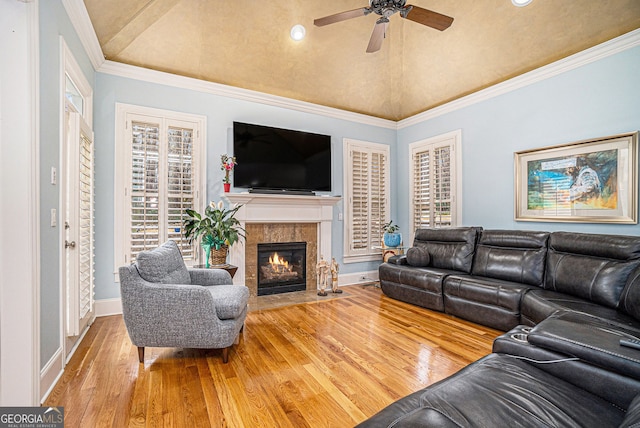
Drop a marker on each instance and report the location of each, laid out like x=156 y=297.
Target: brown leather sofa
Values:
x=568 y=299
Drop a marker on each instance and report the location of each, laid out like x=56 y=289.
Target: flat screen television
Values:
x=278 y=160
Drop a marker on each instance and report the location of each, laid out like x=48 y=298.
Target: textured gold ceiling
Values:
x=246 y=43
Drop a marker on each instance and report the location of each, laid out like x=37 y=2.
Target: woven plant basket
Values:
x=219 y=257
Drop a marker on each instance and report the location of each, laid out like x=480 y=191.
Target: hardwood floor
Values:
x=331 y=363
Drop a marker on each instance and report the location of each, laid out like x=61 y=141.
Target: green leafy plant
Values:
x=390 y=227
x=217 y=227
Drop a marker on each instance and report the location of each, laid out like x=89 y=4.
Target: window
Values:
x=434 y=183
x=366 y=172
x=159 y=175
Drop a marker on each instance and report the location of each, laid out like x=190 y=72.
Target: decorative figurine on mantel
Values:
x=334 y=276
x=323 y=275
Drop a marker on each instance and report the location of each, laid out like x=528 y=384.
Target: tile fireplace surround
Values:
x=264 y=212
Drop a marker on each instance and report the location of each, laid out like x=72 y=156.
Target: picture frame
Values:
x=590 y=181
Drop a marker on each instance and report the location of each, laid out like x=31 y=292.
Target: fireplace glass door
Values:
x=282 y=267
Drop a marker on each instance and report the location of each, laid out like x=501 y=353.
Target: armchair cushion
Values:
x=163 y=265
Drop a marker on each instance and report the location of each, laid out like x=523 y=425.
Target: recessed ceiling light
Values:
x=520 y=3
x=298 y=32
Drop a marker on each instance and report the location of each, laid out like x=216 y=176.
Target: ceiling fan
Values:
x=386 y=8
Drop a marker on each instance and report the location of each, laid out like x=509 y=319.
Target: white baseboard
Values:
x=358 y=278
x=108 y=307
x=50 y=374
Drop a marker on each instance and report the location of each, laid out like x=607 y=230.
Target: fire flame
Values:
x=278 y=264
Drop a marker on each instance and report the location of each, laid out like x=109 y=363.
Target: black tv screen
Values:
x=280 y=159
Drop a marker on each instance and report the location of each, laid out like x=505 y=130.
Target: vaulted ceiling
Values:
x=246 y=44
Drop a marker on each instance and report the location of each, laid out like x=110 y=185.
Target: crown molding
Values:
x=82 y=23
x=163 y=78
x=611 y=47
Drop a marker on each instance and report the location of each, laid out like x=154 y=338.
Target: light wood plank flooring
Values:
x=327 y=363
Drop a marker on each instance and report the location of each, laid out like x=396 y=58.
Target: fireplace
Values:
x=282 y=267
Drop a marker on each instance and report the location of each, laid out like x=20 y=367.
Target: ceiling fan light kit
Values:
x=521 y=3
x=386 y=8
x=298 y=32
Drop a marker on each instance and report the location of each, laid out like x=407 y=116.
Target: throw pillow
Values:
x=163 y=265
x=418 y=256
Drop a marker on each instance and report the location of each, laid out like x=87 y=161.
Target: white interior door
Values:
x=78 y=199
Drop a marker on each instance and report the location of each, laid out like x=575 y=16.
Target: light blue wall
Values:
x=54 y=23
x=596 y=100
x=220 y=112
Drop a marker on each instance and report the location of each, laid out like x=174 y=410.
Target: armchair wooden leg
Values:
x=141 y=354
x=225 y=354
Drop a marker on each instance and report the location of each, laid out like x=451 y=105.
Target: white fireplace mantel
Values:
x=270 y=208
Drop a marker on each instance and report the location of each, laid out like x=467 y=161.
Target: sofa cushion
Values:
x=538 y=305
x=512 y=255
x=163 y=265
x=592 y=267
x=418 y=256
x=451 y=249
x=630 y=301
x=230 y=300
x=491 y=302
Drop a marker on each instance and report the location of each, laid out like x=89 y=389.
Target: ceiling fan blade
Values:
x=342 y=16
x=427 y=17
x=377 y=37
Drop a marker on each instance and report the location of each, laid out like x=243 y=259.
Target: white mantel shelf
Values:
x=280 y=199
x=277 y=208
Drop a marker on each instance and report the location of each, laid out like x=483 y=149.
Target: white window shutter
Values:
x=433 y=182
x=158 y=162
x=145 y=188
x=367 y=195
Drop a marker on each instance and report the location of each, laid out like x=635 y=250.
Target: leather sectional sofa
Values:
x=567 y=298
x=503 y=278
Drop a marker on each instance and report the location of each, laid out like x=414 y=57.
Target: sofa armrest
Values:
x=210 y=277
x=400 y=259
x=590 y=340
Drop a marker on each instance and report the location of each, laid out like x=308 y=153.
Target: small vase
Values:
x=207 y=254
x=227 y=187
x=392 y=240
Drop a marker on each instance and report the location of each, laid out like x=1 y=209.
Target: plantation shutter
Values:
x=163 y=185
x=360 y=201
x=85 y=233
x=432 y=186
x=379 y=198
x=367 y=193
x=181 y=186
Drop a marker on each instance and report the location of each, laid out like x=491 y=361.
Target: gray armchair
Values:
x=166 y=304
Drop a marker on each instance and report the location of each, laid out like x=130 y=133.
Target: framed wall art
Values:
x=592 y=181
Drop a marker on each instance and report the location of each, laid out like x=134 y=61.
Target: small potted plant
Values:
x=227 y=164
x=218 y=229
x=391 y=237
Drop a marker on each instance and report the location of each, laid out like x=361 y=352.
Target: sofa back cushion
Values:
x=630 y=301
x=592 y=267
x=163 y=265
x=511 y=255
x=451 y=248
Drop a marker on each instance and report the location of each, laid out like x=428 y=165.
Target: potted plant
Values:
x=391 y=237
x=227 y=164
x=218 y=229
